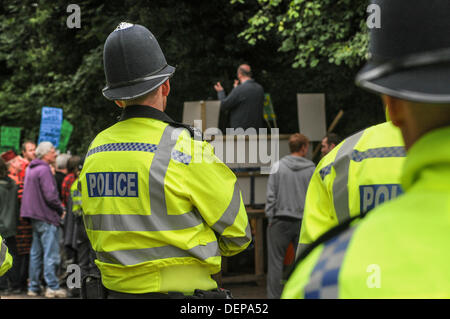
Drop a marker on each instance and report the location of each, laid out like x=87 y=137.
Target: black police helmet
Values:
x=134 y=63
x=410 y=52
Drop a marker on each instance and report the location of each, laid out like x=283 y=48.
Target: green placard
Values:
x=10 y=138
x=66 y=131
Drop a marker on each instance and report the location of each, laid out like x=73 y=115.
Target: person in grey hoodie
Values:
x=286 y=193
x=41 y=203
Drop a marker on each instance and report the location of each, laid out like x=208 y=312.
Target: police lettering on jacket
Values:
x=112 y=184
x=374 y=195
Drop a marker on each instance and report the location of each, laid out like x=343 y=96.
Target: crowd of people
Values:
x=39 y=221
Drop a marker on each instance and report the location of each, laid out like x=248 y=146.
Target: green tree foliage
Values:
x=324 y=30
x=44 y=63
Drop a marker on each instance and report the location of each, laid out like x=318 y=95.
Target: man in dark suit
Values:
x=245 y=102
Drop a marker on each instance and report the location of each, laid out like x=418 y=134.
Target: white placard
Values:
x=311 y=116
x=260 y=190
x=192 y=111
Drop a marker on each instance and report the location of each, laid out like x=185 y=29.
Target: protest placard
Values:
x=205 y=111
x=10 y=138
x=66 y=131
x=311 y=115
x=51 y=122
x=269 y=113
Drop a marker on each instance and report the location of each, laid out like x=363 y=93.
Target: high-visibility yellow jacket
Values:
x=357 y=175
x=5 y=258
x=153 y=201
x=76 y=198
x=400 y=249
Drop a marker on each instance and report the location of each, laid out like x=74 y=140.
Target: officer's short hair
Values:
x=297 y=141
x=140 y=99
x=43 y=148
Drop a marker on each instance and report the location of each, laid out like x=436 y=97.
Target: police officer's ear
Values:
x=397 y=110
x=165 y=88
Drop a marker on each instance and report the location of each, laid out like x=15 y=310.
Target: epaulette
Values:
x=195 y=133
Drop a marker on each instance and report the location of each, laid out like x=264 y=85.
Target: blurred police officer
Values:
x=399 y=249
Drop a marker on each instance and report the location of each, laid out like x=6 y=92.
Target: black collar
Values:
x=152 y=113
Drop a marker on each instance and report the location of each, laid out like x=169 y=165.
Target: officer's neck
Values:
x=158 y=104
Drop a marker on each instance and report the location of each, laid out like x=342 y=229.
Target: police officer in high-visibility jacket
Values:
x=400 y=249
x=5 y=258
x=76 y=198
x=160 y=209
x=357 y=175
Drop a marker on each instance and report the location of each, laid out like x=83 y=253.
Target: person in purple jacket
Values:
x=41 y=204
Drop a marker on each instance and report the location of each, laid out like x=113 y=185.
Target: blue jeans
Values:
x=44 y=251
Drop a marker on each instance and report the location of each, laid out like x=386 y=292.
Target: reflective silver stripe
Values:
x=239 y=241
x=323 y=282
x=230 y=213
x=340 y=184
x=136 y=256
x=300 y=249
x=158 y=170
x=357 y=156
x=133 y=222
x=3 y=251
x=229 y=216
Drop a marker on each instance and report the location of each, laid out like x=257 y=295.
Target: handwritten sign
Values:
x=51 y=123
x=66 y=131
x=10 y=138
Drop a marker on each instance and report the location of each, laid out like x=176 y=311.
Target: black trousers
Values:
x=85 y=253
